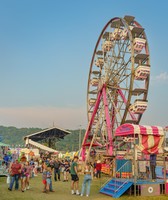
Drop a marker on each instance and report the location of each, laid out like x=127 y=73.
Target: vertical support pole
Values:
x=80 y=132
x=164 y=163
x=109 y=146
x=135 y=167
x=49 y=142
x=90 y=125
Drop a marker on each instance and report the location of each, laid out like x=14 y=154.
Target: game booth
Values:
x=135 y=147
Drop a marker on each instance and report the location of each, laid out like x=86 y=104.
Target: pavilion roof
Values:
x=53 y=132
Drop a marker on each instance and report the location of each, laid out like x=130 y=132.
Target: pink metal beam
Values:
x=90 y=124
x=125 y=101
x=109 y=147
x=113 y=114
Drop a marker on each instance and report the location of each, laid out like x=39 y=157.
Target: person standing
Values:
x=28 y=173
x=56 y=169
x=66 y=170
x=23 y=178
x=88 y=171
x=153 y=166
x=44 y=177
x=23 y=158
x=31 y=163
x=48 y=179
x=6 y=159
x=15 y=170
x=98 y=169
x=15 y=156
x=74 y=177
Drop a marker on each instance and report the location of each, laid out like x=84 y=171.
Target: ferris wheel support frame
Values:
x=109 y=145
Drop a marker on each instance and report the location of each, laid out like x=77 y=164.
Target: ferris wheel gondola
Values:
x=118 y=81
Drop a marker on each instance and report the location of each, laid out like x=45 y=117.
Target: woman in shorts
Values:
x=23 y=178
x=28 y=173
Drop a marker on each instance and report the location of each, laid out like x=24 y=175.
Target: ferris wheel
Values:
x=118 y=81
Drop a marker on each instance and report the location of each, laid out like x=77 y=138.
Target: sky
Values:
x=46 y=48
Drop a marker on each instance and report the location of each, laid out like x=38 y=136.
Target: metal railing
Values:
x=138 y=172
x=109 y=177
x=124 y=173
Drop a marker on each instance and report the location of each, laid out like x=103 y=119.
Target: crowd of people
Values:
x=22 y=170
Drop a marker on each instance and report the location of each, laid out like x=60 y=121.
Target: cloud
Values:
x=161 y=77
x=44 y=117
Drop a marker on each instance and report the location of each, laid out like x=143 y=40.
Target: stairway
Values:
x=116 y=187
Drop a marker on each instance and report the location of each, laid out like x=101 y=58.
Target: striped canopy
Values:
x=150 y=137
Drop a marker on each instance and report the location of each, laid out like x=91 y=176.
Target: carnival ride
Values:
x=118 y=82
x=117 y=92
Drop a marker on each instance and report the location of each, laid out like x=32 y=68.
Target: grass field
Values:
x=62 y=192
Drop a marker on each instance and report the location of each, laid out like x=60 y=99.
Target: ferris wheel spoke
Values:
x=121 y=69
x=125 y=77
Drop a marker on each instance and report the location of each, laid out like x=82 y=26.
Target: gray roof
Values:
x=53 y=132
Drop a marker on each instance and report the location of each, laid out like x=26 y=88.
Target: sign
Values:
x=150 y=190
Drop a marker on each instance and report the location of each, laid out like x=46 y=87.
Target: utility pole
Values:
x=80 y=135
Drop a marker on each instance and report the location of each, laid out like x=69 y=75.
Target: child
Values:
x=48 y=180
x=44 y=177
x=66 y=170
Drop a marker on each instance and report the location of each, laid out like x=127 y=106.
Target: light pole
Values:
x=80 y=132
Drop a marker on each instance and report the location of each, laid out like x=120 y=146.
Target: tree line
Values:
x=14 y=137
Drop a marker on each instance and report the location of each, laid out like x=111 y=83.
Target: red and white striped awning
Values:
x=150 y=137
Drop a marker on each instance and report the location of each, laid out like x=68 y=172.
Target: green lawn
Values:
x=62 y=192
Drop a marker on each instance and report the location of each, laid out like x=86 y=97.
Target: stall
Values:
x=139 y=143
